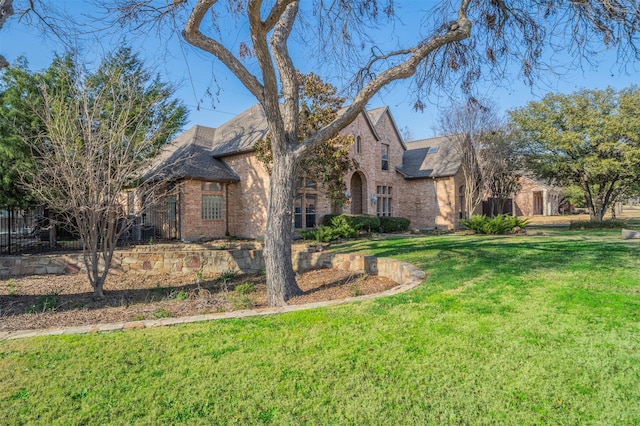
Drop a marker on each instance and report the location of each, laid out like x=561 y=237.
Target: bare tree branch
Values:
x=194 y=36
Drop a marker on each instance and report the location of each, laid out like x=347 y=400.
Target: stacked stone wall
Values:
x=245 y=258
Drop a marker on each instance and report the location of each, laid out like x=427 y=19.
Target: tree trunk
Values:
x=91 y=263
x=281 y=280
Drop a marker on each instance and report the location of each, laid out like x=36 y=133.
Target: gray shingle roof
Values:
x=240 y=133
x=433 y=157
x=189 y=156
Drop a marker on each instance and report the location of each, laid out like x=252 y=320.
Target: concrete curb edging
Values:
x=406 y=275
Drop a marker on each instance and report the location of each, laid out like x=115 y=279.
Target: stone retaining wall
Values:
x=245 y=258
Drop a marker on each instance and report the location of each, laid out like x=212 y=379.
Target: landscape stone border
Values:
x=406 y=275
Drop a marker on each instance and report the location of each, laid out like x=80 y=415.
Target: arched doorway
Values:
x=357 y=186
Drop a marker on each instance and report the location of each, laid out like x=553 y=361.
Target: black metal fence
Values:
x=27 y=231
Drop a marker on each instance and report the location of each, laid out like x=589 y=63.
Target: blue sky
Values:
x=194 y=72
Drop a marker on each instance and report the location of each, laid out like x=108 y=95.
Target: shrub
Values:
x=394 y=224
x=340 y=229
x=245 y=288
x=162 y=313
x=604 y=224
x=500 y=224
x=359 y=222
x=46 y=303
x=327 y=220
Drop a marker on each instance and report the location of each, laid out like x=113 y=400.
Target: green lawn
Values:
x=505 y=330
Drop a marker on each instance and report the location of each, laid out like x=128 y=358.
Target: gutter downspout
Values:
x=226 y=202
x=435 y=203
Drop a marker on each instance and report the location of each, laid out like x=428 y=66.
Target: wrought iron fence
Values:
x=27 y=231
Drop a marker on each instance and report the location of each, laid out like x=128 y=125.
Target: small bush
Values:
x=162 y=313
x=340 y=228
x=182 y=295
x=358 y=222
x=49 y=302
x=241 y=301
x=245 y=288
x=394 y=224
x=604 y=224
x=327 y=220
x=497 y=225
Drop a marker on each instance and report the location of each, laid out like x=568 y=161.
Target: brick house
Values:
x=433 y=193
x=220 y=188
x=536 y=199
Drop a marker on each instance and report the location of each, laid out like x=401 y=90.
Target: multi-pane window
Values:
x=305 y=204
x=212 y=202
x=212 y=206
x=385 y=156
x=384 y=203
x=305 y=211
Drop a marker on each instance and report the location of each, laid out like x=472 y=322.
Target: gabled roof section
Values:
x=189 y=156
x=542 y=184
x=375 y=116
x=240 y=133
x=430 y=158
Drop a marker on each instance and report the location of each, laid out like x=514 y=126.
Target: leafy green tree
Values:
x=329 y=161
x=590 y=138
x=18 y=93
x=100 y=131
x=573 y=196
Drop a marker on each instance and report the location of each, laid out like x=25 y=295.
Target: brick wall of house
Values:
x=370 y=160
x=249 y=197
x=417 y=203
x=431 y=203
x=523 y=201
x=448 y=207
x=193 y=226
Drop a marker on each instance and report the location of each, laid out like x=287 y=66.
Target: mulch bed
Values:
x=45 y=301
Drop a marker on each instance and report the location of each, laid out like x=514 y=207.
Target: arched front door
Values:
x=357 y=194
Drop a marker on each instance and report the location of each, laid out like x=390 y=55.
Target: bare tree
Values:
x=445 y=50
x=502 y=162
x=466 y=126
x=6 y=10
x=41 y=14
x=99 y=132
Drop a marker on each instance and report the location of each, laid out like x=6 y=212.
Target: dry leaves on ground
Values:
x=46 y=301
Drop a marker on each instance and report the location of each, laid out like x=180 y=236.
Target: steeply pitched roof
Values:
x=240 y=133
x=189 y=156
x=198 y=153
x=433 y=157
x=376 y=114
